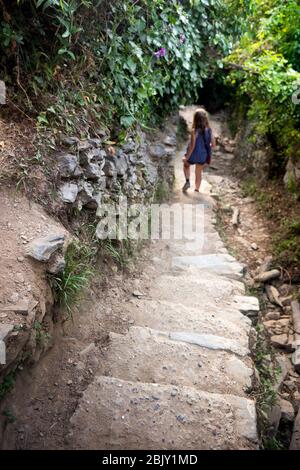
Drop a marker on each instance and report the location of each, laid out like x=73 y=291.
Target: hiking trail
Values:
x=180 y=377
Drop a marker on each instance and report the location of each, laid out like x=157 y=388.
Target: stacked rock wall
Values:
x=91 y=172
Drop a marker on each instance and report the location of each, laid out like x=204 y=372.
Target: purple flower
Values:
x=182 y=38
x=160 y=53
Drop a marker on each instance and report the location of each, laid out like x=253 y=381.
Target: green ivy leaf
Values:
x=127 y=121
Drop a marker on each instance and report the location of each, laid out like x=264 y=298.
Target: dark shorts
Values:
x=195 y=163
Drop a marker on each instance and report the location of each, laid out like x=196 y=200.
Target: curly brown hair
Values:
x=200 y=121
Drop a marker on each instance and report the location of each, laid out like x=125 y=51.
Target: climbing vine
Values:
x=79 y=63
x=95 y=60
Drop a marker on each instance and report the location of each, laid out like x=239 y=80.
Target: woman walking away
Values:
x=199 y=149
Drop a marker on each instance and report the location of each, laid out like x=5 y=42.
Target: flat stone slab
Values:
x=208 y=245
x=209 y=342
x=295 y=442
x=115 y=414
x=174 y=316
x=221 y=264
x=197 y=289
x=21 y=307
x=173 y=362
x=5 y=330
x=215 y=180
x=247 y=305
x=41 y=249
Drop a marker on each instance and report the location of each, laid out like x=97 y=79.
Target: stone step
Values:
x=197 y=289
x=247 y=305
x=220 y=264
x=173 y=316
x=209 y=244
x=116 y=414
x=189 y=227
x=193 y=198
x=145 y=355
x=210 y=342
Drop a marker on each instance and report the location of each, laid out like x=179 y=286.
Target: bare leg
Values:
x=187 y=170
x=198 y=174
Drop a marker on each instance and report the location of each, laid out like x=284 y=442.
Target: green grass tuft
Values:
x=8 y=383
x=68 y=285
x=120 y=251
x=9 y=415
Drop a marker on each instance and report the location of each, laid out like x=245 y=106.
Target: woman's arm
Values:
x=210 y=145
x=191 y=146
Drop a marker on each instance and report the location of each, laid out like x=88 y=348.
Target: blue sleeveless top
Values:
x=202 y=151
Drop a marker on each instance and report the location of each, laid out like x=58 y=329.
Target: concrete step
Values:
x=115 y=414
x=173 y=316
x=219 y=264
x=145 y=355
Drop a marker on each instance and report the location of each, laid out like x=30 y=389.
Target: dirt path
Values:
x=175 y=372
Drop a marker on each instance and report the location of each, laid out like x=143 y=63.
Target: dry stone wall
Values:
x=91 y=172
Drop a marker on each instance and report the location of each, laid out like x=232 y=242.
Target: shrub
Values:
x=265 y=67
x=96 y=61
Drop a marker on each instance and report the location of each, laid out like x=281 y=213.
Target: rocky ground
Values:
x=247 y=231
x=26 y=297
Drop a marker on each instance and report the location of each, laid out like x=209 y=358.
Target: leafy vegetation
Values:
x=9 y=415
x=266 y=393
x=265 y=68
x=287 y=241
x=68 y=285
x=42 y=337
x=8 y=383
x=162 y=192
x=81 y=64
x=120 y=251
x=95 y=61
